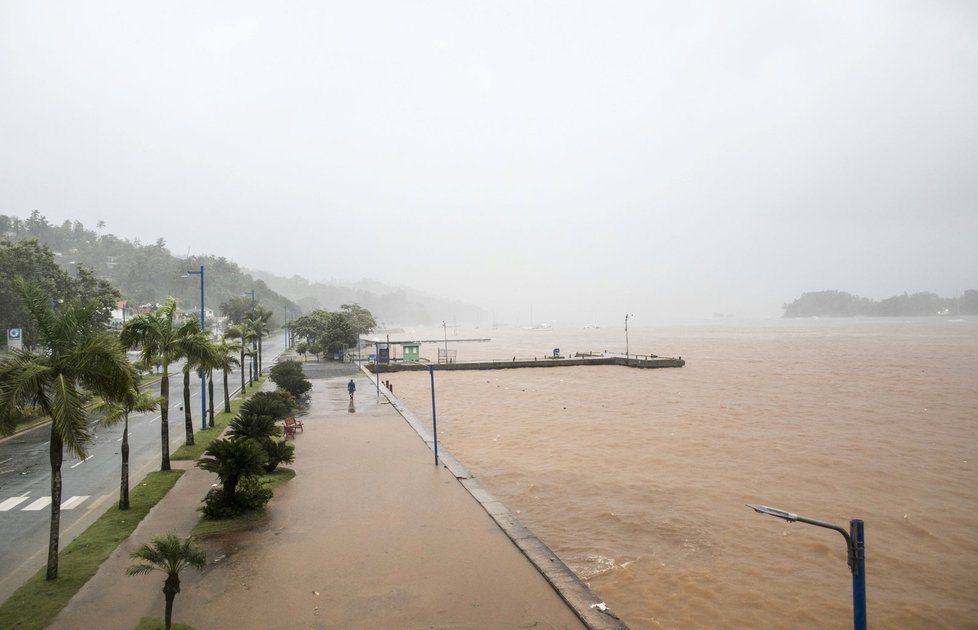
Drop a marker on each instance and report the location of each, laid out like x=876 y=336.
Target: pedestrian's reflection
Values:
x=351 y=408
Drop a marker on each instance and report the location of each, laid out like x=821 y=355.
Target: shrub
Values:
x=251 y=495
x=289 y=376
x=266 y=404
x=278 y=452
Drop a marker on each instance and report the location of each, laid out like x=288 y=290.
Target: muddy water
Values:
x=638 y=478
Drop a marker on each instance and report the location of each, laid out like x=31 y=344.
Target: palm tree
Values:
x=112 y=412
x=77 y=353
x=194 y=347
x=241 y=332
x=231 y=460
x=170 y=555
x=225 y=361
x=262 y=330
x=160 y=342
x=251 y=337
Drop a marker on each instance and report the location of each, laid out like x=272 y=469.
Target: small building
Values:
x=411 y=352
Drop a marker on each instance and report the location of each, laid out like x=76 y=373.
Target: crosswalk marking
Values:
x=73 y=502
x=10 y=504
x=41 y=503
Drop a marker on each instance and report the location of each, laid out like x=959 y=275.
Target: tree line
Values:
x=842 y=304
x=142 y=273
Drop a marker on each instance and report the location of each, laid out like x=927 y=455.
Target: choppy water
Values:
x=637 y=479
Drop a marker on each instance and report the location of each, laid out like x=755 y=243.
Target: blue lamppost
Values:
x=203 y=384
x=856 y=546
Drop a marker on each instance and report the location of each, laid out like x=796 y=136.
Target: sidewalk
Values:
x=369 y=534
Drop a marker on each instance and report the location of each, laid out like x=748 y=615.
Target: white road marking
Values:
x=73 y=502
x=83 y=461
x=10 y=504
x=39 y=504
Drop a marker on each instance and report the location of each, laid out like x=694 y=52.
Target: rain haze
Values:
x=582 y=160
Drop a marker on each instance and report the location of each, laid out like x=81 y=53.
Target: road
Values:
x=90 y=486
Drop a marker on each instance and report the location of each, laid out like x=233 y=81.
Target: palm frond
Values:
x=68 y=416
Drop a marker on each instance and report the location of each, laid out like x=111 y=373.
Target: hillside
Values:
x=842 y=304
x=147 y=274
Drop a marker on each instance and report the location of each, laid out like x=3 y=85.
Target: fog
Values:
x=585 y=160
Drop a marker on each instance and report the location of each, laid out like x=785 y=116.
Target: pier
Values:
x=544 y=362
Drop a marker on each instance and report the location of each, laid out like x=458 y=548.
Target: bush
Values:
x=251 y=495
x=289 y=376
x=278 y=452
x=266 y=404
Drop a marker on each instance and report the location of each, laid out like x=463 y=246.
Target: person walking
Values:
x=351 y=387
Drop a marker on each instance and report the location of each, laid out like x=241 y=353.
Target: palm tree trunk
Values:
x=227 y=396
x=188 y=419
x=165 y=419
x=210 y=401
x=259 y=356
x=171 y=586
x=230 y=487
x=242 y=368
x=124 y=482
x=56 y=457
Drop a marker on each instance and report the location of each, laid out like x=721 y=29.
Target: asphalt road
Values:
x=91 y=485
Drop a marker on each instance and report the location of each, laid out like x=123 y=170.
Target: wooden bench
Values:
x=291 y=424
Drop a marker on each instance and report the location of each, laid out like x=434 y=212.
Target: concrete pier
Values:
x=645 y=363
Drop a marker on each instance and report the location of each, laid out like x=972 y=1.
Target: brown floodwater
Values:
x=638 y=479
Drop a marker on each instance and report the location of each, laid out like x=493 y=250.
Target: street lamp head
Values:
x=763 y=509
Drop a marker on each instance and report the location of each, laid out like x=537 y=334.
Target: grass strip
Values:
x=38 y=602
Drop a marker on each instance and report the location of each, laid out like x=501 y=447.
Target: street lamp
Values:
x=203 y=384
x=856 y=547
x=627 y=315
x=445 y=327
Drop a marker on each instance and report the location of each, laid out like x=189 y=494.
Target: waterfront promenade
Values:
x=369 y=534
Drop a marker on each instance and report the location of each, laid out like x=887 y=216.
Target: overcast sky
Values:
x=588 y=159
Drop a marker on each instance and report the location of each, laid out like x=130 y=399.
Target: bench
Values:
x=291 y=424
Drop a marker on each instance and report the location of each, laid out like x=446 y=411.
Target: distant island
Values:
x=842 y=304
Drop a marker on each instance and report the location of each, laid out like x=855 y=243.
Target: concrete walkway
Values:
x=369 y=534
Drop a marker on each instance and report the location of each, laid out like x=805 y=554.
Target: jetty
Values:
x=643 y=362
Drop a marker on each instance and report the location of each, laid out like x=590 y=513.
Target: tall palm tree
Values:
x=160 y=341
x=239 y=332
x=113 y=411
x=77 y=353
x=224 y=360
x=261 y=327
x=194 y=347
x=170 y=555
x=210 y=361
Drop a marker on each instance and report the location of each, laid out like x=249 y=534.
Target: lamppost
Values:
x=434 y=417
x=445 y=327
x=203 y=384
x=856 y=547
x=627 y=315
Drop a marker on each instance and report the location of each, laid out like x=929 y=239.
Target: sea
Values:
x=639 y=479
